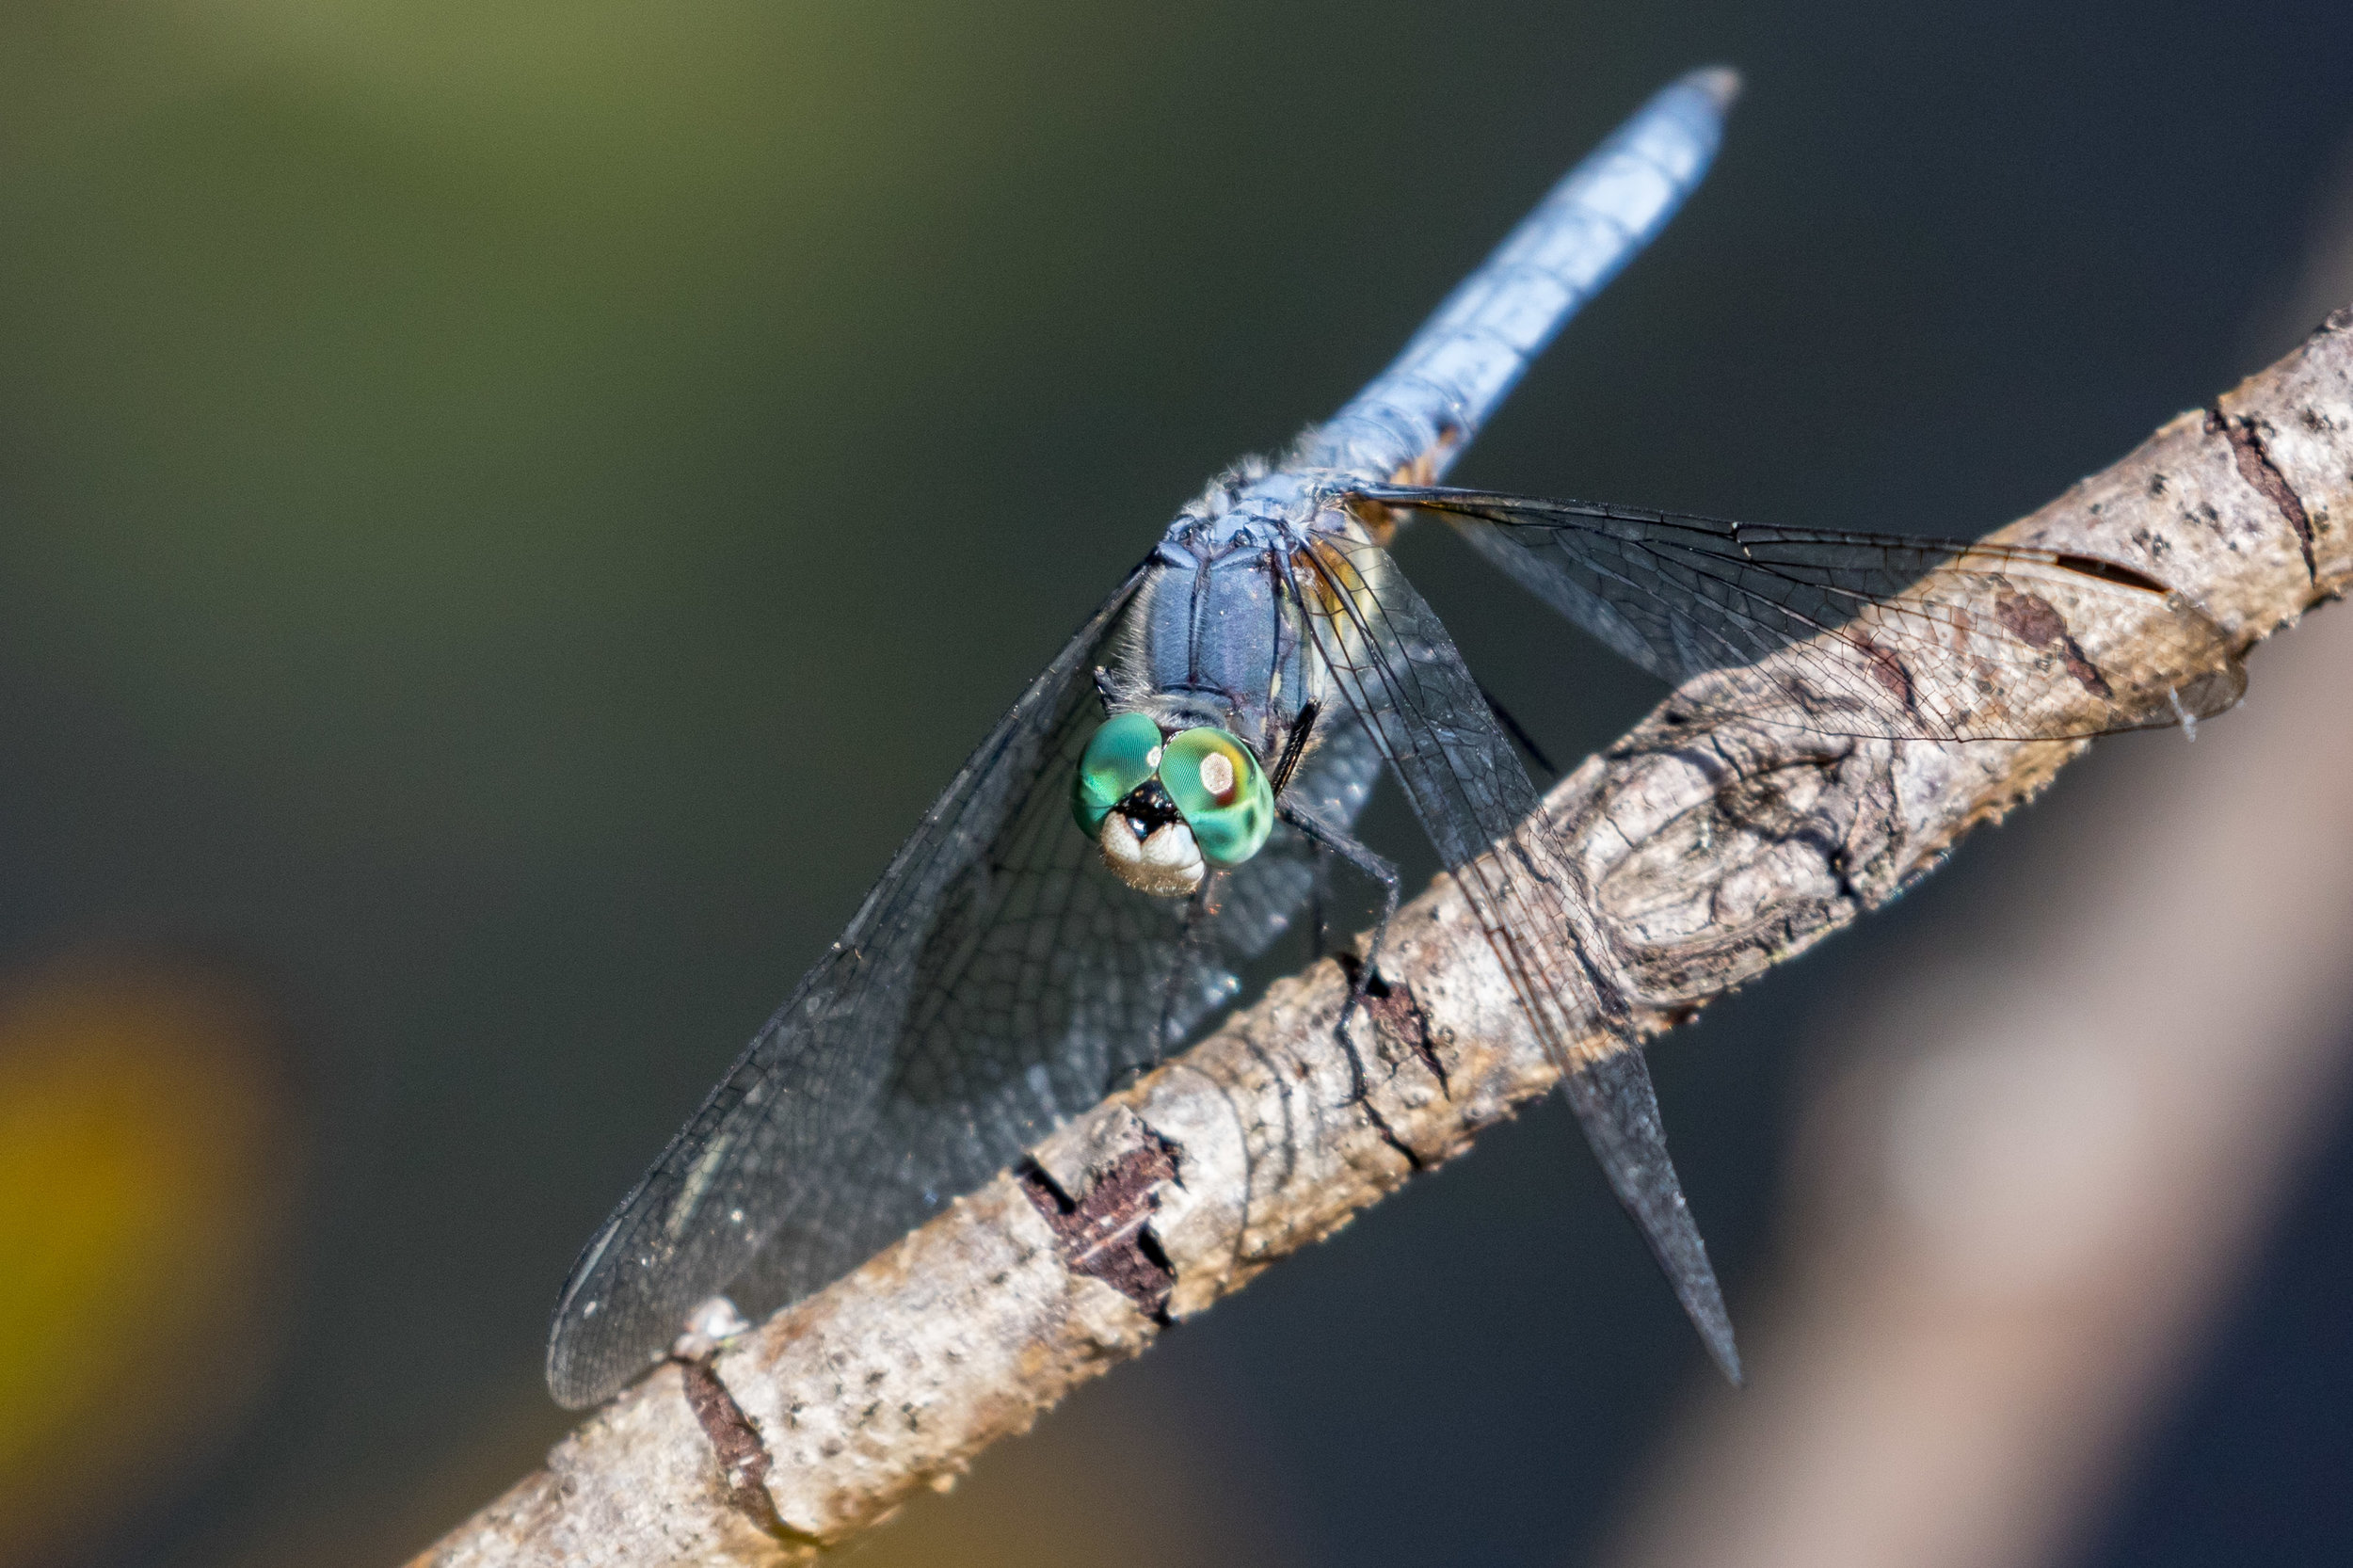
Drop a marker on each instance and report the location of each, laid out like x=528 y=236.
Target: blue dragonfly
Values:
x=1163 y=802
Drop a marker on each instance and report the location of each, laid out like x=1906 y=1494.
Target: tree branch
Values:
x=1716 y=852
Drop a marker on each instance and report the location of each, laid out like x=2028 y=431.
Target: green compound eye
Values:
x=1119 y=757
x=1221 y=792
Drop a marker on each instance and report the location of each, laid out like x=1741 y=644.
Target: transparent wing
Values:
x=1864 y=635
x=996 y=981
x=1393 y=661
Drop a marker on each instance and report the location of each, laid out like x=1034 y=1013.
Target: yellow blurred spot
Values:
x=145 y=1179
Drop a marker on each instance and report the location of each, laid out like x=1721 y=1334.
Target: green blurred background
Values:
x=511 y=511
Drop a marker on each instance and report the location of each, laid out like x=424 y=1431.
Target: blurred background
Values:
x=512 y=512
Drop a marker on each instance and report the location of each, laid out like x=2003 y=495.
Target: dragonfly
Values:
x=1163 y=803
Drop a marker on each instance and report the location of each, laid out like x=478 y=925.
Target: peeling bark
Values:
x=1714 y=850
x=1102 y=1233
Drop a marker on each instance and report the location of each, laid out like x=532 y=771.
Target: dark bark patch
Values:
x=1398 y=1015
x=2087 y=674
x=2032 y=621
x=2255 y=467
x=1395 y=1015
x=743 y=1461
x=1103 y=1232
x=2111 y=571
x=1886 y=669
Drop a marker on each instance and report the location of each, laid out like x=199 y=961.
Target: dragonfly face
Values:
x=1215 y=727
x=1167 y=808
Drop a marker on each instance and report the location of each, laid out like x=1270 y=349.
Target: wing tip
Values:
x=1675 y=1242
x=575 y=1387
x=1617 y=1108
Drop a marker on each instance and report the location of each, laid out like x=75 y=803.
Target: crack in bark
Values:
x=1389 y=1135
x=1393 y=1011
x=1103 y=1233
x=2256 y=468
x=744 y=1458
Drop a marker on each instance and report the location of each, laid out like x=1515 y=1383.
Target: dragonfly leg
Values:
x=1164 y=1033
x=1318 y=884
x=1327 y=838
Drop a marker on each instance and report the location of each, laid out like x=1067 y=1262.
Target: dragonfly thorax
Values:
x=1167 y=808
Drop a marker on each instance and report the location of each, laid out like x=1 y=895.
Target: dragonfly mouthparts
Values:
x=1145 y=842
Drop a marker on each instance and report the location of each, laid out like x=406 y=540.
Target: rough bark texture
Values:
x=1714 y=853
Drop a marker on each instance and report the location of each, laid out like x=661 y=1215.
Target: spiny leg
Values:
x=1318 y=875
x=1365 y=860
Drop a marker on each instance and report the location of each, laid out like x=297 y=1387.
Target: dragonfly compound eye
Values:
x=1119 y=760
x=1221 y=792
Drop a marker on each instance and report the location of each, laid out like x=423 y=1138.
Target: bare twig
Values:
x=1714 y=851
x=2033 y=1164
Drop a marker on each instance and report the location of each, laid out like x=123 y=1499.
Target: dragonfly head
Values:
x=1165 y=808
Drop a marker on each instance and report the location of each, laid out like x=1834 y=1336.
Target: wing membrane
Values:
x=995 y=982
x=1864 y=635
x=1393 y=661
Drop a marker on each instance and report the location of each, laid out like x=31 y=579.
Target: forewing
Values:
x=1393 y=661
x=996 y=979
x=1863 y=634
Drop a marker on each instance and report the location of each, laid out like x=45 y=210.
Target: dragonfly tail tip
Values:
x=1716 y=1333
x=1721 y=84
